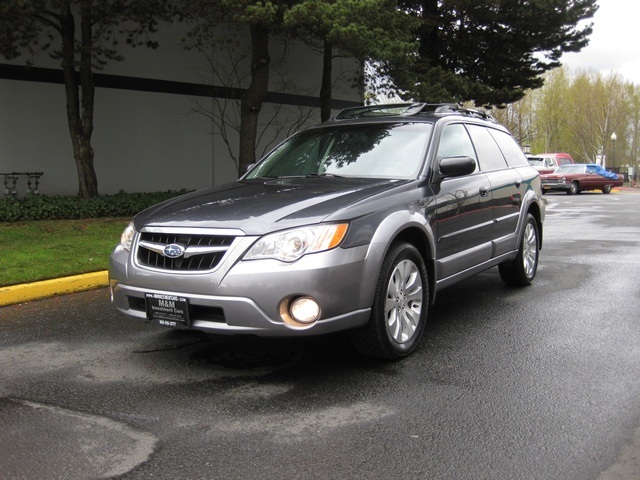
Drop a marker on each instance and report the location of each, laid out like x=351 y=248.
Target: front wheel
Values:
x=521 y=271
x=573 y=188
x=400 y=306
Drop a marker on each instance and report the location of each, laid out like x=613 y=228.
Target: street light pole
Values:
x=614 y=137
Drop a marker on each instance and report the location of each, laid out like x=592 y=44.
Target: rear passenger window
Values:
x=489 y=154
x=455 y=142
x=512 y=152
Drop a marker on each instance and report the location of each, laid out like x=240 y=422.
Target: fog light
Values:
x=304 y=310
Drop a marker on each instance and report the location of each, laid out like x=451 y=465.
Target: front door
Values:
x=463 y=222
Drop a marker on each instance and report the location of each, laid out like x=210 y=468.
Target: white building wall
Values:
x=144 y=140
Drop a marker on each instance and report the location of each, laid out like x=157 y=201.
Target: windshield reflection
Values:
x=372 y=150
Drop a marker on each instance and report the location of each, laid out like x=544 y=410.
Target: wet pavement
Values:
x=536 y=383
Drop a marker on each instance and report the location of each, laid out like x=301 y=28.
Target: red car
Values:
x=580 y=177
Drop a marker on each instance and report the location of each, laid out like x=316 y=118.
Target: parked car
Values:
x=579 y=177
x=535 y=161
x=355 y=224
x=548 y=162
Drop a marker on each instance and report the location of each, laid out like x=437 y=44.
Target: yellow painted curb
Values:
x=48 y=288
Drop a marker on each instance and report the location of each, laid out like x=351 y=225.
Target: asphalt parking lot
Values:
x=535 y=383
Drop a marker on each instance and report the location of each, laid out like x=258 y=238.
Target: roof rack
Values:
x=410 y=109
x=472 y=112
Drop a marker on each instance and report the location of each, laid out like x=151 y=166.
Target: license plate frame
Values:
x=167 y=309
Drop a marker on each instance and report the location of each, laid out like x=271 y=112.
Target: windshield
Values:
x=536 y=162
x=372 y=150
x=570 y=169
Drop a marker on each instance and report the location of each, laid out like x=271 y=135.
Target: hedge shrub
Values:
x=42 y=207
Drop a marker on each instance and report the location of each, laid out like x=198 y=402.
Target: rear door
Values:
x=494 y=147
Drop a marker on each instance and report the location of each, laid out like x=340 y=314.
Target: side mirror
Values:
x=457 y=166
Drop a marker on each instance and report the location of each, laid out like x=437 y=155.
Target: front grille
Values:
x=201 y=252
x=553 y=181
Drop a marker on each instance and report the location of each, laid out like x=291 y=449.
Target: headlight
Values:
x=126 y=239
x=290 y=245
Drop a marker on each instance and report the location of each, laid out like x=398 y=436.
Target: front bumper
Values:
x=245 y=297
x=555 y=185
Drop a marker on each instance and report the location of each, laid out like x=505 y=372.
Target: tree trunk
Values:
x=79 y=107
x=254 y=96
x=325 y=88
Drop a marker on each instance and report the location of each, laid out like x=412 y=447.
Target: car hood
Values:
x=555 y=175
x=258 y=207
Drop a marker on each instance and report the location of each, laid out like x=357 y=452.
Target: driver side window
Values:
x=455 y=142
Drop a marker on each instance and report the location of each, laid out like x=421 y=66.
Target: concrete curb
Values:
x=626 y=188
x=49 y=288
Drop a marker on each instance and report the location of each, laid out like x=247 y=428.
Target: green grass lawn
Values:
x=45 y=249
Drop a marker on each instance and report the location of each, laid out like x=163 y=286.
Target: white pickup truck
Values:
x=548 y=162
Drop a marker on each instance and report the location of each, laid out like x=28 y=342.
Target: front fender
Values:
x=407 y=226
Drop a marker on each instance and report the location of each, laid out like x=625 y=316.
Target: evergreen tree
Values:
x=490 y=51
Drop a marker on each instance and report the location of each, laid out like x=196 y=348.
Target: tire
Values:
x=522 y=270
x=606 y=189
x=400 y=306
x=573 y=188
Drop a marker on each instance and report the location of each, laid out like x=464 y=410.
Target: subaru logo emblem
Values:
x=173 y=251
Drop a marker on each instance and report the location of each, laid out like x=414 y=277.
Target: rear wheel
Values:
x=606 y=189
x=521 y=271
x=400 y=306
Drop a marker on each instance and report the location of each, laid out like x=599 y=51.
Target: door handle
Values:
x=484 y=191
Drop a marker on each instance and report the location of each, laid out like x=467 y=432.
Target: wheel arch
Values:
x=535 y=210
x=418 y=239
x=409 y=227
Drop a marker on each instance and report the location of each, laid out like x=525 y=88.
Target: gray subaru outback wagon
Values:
x=354 y=224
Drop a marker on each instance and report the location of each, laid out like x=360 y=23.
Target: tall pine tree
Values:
x=490 y=51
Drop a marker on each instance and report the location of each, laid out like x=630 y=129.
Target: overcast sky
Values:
x=613 y=46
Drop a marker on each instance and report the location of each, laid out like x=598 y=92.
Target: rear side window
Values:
x=512 y=152
x=489 y=155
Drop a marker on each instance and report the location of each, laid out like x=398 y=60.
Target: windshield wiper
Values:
x=313 y=175
x=302 y=175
